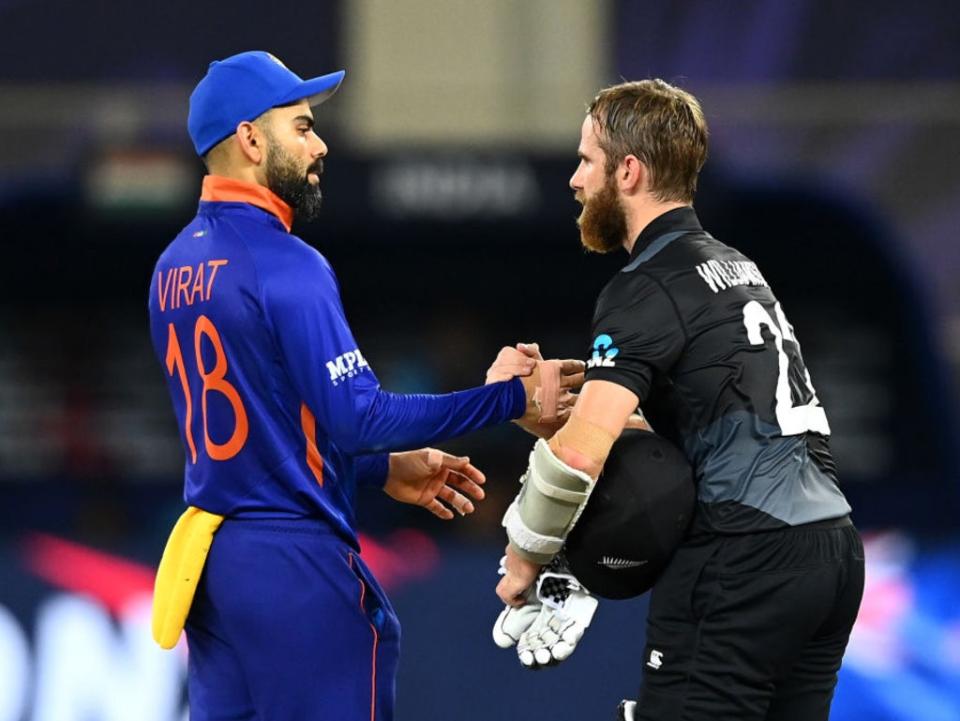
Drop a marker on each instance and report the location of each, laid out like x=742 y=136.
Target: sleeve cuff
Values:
x=372 y=470
x=518 y=398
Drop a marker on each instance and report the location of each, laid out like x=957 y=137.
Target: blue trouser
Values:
x=288 y=624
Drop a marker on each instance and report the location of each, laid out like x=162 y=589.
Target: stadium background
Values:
x=834 y=164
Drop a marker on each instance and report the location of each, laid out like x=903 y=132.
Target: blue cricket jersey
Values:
x=280 y=414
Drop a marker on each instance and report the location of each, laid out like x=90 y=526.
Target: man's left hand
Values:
x=430 y=478
x=519 y=577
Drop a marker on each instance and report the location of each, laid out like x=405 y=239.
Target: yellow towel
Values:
x=179 y=572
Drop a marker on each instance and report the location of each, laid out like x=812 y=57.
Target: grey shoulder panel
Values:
x=651 y=250
x=743 y=459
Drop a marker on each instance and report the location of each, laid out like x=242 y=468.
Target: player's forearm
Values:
x=603 y=410
x=574 y=453
x=382 y=421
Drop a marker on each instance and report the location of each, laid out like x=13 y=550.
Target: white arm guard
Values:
x=550 y=501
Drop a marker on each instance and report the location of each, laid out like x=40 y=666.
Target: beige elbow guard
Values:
x=548 y=505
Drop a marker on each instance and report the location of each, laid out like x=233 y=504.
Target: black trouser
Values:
x=752 y=627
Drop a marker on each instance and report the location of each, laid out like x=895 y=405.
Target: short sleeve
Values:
x=637 y=334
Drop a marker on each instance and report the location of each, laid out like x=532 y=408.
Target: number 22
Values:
x=793 y=420
x=214 y=380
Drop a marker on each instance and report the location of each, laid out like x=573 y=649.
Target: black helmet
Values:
x=635 y=518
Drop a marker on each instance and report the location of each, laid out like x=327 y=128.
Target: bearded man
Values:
x=281 y=418
x=751 y=618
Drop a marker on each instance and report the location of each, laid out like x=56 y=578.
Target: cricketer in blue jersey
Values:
x=282 y=418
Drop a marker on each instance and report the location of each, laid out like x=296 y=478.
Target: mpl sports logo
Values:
x=603 y=352
x=347 y=365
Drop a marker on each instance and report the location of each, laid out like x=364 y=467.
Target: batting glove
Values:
x=512 y=622
x=559 y=613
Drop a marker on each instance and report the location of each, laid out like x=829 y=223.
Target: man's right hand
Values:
x=511 y=363
x=525 y=362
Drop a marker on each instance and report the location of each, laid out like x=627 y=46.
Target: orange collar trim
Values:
x=218 y=189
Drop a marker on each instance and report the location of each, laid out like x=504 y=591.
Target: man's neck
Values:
x=641 y=215
x=246 y=174
x=219 y=188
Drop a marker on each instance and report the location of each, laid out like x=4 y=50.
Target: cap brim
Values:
x=315 y=90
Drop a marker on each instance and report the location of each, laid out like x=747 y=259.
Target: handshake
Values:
x=549 y=385
x=547 y=620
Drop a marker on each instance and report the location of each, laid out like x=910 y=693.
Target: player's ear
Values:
x=251 y=141
x=631 y=175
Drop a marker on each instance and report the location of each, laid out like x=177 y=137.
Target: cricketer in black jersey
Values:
x=691 y=326
x=750 y=618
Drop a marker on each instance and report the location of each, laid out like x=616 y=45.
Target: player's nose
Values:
x=319 y=148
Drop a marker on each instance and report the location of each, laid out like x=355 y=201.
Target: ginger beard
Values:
x=291 y=183
x=603 y=220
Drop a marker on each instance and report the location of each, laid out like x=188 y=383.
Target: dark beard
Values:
x=603 y=220
x=287 y=182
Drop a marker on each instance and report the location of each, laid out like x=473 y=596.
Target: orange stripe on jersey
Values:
x=309 y=425
x=218 y=189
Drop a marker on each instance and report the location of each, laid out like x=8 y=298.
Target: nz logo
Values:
x=603 y=352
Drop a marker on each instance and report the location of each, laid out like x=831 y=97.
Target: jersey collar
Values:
x=217 y=189
x=678 y=220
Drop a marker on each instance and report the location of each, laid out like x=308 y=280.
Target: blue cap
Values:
x=242 y=88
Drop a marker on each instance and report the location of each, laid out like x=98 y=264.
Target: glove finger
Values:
x=500 y=635
x=549 y=637
x=526 y=658
x=561 y=650
x=572 y=635
x=512 y=623
x=542 y=656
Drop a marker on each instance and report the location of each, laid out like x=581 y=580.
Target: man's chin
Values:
x=310 y=202
x=595 y=245
x=593 y=242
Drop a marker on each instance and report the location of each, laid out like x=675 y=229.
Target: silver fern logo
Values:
x=619 y=564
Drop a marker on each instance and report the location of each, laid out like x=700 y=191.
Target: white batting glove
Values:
x=547 y=630
x=512 y=622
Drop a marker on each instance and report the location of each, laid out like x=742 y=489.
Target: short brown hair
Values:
x=663 y=126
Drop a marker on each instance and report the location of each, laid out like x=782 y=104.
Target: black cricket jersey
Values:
x=691 y=326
